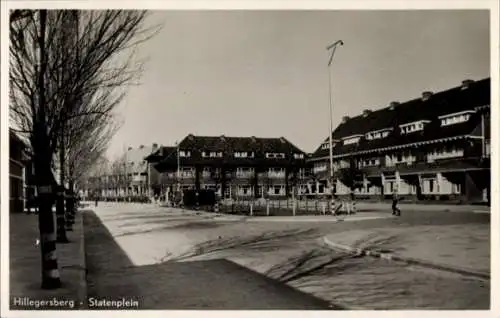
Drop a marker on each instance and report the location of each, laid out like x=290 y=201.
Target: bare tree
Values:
x=54 y=71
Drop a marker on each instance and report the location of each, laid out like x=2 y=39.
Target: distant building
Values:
x=128 y=176
x=137 y=169
x=433 y=147
x=156 y=188
x=20 y=171
x=234 y=167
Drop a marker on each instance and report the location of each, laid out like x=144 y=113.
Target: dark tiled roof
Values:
x=228 y=145
x=446 y=102
x=161 y=153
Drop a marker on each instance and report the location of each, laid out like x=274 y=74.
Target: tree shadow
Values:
x=213 y=284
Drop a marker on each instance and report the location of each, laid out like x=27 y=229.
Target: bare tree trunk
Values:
x=70 y=206
x=50 y=271
x=60 y=213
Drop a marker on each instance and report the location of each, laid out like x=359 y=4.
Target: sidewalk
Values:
x=25 y=265
x=386 y=206
x=460 y=248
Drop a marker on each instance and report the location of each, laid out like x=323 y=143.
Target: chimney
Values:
x=366 y=112
x=190 y=136
x=345 y=119
x=466 y=83
x=222 y=138
x=254 y=139
x=426 y=95
x=155 y=145
x=141 y=147
x=283 y=140
x=129 y=148
x=393 y=105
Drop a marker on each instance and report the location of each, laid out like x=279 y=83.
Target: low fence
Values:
x=281 y=207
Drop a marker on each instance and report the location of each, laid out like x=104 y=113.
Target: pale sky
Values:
x=264 y=73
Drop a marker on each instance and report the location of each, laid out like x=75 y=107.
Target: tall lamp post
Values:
x=331 y=47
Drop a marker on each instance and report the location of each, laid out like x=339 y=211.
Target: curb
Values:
x=82 y=290
x=408 y=260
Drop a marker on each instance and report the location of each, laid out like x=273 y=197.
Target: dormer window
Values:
x=244 y=154
x=211 y=154
x=413 y=126
x=326 y=145
x=351 y=139
x=298 y=155
x=455 y=118
x=378 y=134
x=272 y=155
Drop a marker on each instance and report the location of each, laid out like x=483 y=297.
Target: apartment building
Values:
x=127 y=176
x=234 y=167
x=436 y=147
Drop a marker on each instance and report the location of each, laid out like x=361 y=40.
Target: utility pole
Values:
x=331 y=47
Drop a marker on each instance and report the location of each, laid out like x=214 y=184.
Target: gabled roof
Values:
x=228 y=146
x=234 y=144
x=446 y=102
x=161 y=153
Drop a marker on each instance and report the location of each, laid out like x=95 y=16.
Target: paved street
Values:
x=150 y=245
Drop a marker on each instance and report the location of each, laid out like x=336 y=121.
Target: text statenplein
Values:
x=122 y=303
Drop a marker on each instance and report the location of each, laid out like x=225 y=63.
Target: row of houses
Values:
x=436 y=147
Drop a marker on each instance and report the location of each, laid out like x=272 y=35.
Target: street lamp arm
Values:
x=333 y=47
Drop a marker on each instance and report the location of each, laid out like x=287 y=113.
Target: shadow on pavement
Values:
x=211 y=284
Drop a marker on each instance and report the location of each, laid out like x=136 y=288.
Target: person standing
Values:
x=395 y=199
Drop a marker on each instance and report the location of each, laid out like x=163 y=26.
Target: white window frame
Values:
x=378 y=134
x=320 y=167
x=274 y=155
x=184 y=153
x=413 y=126
x=351 y=140
x=455 y=118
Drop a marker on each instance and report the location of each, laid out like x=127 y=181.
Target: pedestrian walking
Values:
x=96 y=201
x=395 y=199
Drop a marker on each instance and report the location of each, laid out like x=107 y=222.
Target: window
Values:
x=350 y=141
x=207 y=172
x=187 y=172
x=244 y=172
x=455 y=118
x=243 y=154
x=298 y=155
x=275 y=155
x=318 y=167
x=183 y=153
x=413 y=127
x=260 y=191
x=321 y=188
x=369 y=162
x=431 y=186
x=444 y=153
x=244 y=190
